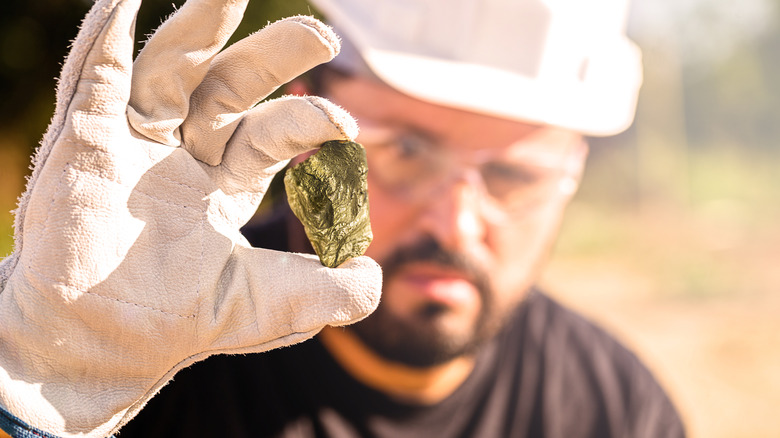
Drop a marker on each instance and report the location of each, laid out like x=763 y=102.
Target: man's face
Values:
x=464 y=209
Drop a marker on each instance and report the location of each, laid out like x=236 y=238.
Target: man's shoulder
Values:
x=565 y=336
x=581 y=368
x=551 y=320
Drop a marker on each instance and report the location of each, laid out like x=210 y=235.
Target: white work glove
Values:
x=128 y=263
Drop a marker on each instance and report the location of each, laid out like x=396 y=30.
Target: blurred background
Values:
x=670 y=243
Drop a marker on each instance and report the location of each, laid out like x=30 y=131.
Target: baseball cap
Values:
x=566 y=63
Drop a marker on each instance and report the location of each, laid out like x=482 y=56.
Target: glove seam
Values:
x=322 y=29
x=317 y=103
x=168 y=201
x=61 y=184
x=196 y=311
x=179 y=183
x=87 y=292
x=54 y=196
x=66 y=92
x=108 y=154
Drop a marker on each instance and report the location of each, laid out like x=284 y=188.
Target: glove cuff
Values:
x=19 y=429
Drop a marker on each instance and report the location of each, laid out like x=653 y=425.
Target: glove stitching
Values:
x=179 y=183
x=325 y=32
x=318 y=103
x=66 y=92
x=68 y=286
x=202 y=259
x=110 y=154
x=169 y=202
x=99 y=112
x=58 y=188
x=197 y=190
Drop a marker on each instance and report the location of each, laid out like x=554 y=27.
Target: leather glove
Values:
x=128 y=264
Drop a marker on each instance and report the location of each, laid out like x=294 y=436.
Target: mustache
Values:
x=430 y=251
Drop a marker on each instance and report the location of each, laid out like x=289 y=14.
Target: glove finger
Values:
x=271 y=298
x=275 y=131
x=100 y=63
x=174 y=61
x=247 y=72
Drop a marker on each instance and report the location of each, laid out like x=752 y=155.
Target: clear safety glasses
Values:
x=416 y=169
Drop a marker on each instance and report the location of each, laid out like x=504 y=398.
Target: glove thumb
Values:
x=269 y=299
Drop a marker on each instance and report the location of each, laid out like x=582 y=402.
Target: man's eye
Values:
x=506 y=181
x=409 y=147
x=509 y=174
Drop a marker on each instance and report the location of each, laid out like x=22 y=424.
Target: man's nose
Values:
x=453 y=215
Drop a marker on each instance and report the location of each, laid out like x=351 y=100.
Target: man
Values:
x=466 y=198
x=471 y=167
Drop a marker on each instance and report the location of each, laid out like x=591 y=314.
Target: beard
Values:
x=423 y=343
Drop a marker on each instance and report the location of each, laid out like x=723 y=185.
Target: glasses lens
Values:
x=405 y=164
x=411 y=166
x=516 y=186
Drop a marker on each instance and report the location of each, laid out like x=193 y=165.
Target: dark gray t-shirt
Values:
x=549 y=374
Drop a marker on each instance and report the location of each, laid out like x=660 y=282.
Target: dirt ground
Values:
x=718 y=353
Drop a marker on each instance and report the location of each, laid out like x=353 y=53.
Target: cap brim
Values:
x=601 y=104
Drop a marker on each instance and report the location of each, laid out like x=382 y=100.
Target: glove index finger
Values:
x=247 y=72
x=272 y=133
x=173 y=63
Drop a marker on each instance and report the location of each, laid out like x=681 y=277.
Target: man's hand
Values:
x=128 y=263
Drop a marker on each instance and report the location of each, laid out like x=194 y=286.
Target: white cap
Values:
x=566 y=63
